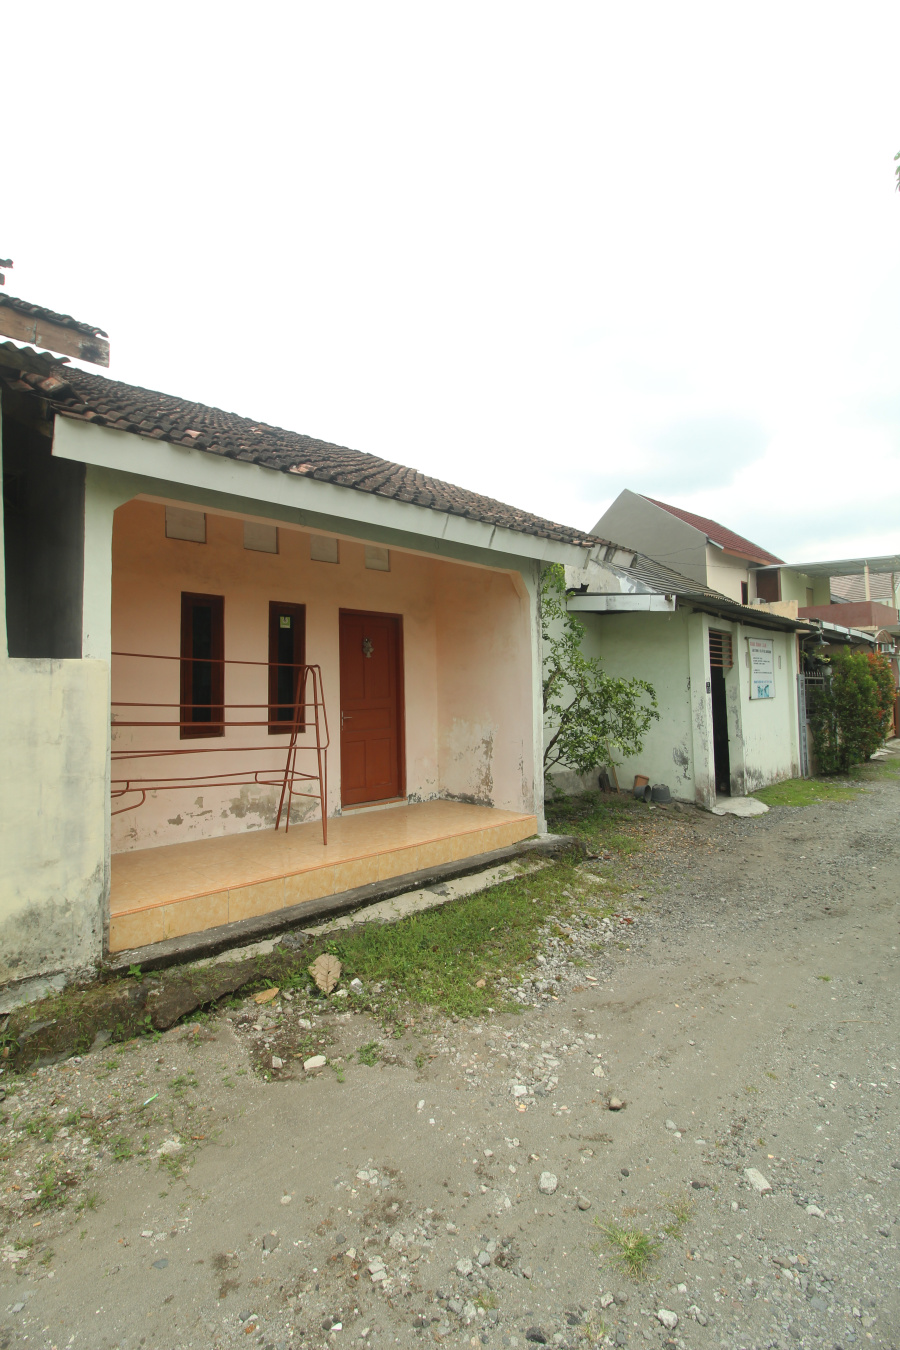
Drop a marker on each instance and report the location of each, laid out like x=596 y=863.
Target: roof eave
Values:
x=194 y=471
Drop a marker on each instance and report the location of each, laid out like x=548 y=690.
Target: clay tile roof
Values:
x=94 y=398
x=50 y=316
x=731 y=542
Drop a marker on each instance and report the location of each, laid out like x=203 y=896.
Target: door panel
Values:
x=371 y=707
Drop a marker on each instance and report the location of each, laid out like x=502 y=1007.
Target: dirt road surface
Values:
x=469 y=1184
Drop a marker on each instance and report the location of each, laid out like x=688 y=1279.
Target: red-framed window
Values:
x=287 y=653
x=202 y=665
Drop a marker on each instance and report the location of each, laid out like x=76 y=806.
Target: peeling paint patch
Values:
x=176 y=820
x=261 y=804
x=682 y=759
x=56 y=935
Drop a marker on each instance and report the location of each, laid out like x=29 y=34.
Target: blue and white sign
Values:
x=762 y=667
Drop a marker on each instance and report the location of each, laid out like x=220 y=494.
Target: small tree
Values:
x=587 y=713
x=852 y=715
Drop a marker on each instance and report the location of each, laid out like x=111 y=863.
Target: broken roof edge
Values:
x=50 y=315
x=647 y=578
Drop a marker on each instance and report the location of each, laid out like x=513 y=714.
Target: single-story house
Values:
x=726 y=676
x=205 y=617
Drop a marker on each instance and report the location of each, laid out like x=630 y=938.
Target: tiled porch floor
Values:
x=167 y=892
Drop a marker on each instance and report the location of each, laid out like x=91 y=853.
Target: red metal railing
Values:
x=309 y=719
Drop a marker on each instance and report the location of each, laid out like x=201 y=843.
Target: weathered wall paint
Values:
x=466 y=634
x=769 y=728
x=484 y=688
x=651 y=647
x=672 y=652
x=54 y=865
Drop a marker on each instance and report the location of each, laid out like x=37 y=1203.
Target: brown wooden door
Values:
x=371 y=708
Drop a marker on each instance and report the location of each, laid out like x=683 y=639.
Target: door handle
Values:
x=349 y=717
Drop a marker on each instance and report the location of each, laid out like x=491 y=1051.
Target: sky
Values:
x=546 y=252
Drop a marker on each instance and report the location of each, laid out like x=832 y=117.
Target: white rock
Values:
x=670 y=1125
x=519 y=1090
x=285 y=1199
x=607 y=1300
x=420 y=1106
x=305 y=1023
x=548 y=1183
x=599 y=1071
x=277 y=1063
x=815 y=1211
x=356 y=984
x=168 y=1147
x=464 y=1267
x=315 y=1062
x=668 y=1319
x=757 y=1180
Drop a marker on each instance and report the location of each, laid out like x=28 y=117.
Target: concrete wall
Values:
x=763 y=733
x=53 y=793
x=651 y=647
x=467 y=667
x=483 y=670
x=639 y=523
x=725 y=573
x=672 y=652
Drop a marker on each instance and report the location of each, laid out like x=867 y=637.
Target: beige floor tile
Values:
x=195 y=916
x=397 y=863
x=245 y=902
x=308 y=885
x=468 y=845
x=135 y=930
x=361 y=849
x=360 y=872
x=435 y=853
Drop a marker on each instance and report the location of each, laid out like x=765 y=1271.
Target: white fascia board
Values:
x=309 y=501
x=620 y=604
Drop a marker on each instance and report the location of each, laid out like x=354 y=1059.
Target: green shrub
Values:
x=851 y=717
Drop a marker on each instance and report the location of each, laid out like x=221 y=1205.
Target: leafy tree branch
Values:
x=588 y=715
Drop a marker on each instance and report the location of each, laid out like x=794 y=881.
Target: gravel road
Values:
x=742 y=1006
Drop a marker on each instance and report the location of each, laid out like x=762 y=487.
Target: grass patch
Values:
x=440 y=956
x=599 y=821
x=876 y=770
x=805 y=792
x=633 y=1249
x=369 y=1054
x=680 y=1211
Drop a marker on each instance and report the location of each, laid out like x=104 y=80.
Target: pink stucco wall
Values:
x=467 y=666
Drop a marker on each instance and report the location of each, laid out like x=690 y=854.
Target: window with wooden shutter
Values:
x=720 y=655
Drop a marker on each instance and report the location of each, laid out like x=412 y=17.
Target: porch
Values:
x=177 y=889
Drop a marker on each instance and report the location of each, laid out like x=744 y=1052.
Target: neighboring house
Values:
x=699 y=549
x=859 y=593
x=183 y=574
x=725 y=675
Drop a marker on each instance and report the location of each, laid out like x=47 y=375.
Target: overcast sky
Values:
x=543 y=251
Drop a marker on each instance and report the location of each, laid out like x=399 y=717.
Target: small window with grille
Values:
x=720 y=654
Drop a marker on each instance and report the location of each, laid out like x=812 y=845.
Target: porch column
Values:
x=103 y=492
x=531 y=582
x=701 y=710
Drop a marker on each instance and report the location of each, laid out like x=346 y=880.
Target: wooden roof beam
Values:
x=55 y=337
